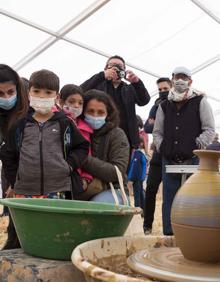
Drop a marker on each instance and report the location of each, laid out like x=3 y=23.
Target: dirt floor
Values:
x=135 y=228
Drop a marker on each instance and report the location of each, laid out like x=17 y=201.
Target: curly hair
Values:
x=101 y=96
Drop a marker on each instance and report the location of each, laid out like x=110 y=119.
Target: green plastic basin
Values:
x=50 y=228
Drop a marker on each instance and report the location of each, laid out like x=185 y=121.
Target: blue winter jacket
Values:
x=138 y=166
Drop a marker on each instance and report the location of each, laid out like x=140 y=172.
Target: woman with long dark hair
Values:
x=109 y=143
x=13 y=106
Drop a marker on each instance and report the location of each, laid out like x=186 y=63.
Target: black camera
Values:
x=121 y=73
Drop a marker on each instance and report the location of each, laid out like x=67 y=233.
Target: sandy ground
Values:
x=135 y=228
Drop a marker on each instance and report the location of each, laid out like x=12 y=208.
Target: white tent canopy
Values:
x=74 y=38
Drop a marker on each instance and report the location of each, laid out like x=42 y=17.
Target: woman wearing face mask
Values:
x=13 y=99
x=13 y=106
x=109 y=143
x=71 y=102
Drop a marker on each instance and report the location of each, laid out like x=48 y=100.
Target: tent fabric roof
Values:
x=74 y=38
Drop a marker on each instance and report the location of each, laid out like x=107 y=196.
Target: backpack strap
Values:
x=66 y=135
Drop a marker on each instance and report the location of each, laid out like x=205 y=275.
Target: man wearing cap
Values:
x=184 y=122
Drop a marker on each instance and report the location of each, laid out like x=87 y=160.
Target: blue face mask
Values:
x=95 y=122
x=9 y=103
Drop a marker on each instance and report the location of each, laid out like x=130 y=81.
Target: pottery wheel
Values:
x=168 y=264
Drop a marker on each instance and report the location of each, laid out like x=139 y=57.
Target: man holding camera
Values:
x=124 y=95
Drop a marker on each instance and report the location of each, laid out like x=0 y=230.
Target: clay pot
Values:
x=195 y=213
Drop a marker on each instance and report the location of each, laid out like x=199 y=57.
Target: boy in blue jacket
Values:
x=137 y=174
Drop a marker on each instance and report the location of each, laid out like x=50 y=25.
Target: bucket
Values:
x=51 y=228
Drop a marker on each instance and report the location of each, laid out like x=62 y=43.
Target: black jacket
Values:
x=4 y=119
x=181 y=127
x=148 y=128
x=131 y=94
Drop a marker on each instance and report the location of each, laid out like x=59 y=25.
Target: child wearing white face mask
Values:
x=45 y=149
x=71 y=101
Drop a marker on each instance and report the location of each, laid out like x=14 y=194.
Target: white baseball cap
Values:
x=182 y=70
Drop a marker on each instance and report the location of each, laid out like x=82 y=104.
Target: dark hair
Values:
x=101 y=96
x=139 y=121
x=115 y=57
x=25 y=82
x=70 y=89
x=164 y=79
x=45 y=79
x=21 y=108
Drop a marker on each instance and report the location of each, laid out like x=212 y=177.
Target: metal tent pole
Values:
x=65 y=38
x=60 y=33
x=206 y=64
x=206 y=10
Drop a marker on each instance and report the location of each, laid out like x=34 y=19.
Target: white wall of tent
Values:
x=74 y=39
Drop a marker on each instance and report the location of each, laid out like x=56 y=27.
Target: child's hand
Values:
x=130 y=184
x=130 y=188
x=85 y=184
x=151 y=120
x=9 y=193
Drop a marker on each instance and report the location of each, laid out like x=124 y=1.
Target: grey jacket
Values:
x=38 y=159
x=55 y=169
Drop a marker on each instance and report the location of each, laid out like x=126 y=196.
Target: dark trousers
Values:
x=153 y=182
x=5 y=185
x=12 y=241
x=138 y=193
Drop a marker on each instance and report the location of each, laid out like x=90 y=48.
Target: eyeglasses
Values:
x=109 y=66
